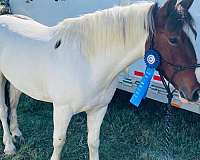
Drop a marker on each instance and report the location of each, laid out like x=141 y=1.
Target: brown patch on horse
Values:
x=58 y=43
x=21 y=17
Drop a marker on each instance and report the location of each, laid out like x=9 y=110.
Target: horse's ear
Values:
x=165 y=11
x=186 y=4
x=177 y=18
x=167 y=8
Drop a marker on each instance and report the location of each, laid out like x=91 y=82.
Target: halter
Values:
x=176 y=68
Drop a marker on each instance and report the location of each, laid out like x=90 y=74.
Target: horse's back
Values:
x=24 y=26
x=19 y=37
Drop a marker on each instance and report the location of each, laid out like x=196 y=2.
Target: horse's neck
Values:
x=107 y=67
x=109 y=40
x=114 y=42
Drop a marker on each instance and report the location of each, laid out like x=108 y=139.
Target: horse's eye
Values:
x=173 y=41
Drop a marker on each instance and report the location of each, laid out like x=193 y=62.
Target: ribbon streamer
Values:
x=152 y=61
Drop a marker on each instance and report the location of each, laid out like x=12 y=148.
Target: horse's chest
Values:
x=100 y=98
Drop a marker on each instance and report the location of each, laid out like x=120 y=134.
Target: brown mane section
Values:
x=21 y=17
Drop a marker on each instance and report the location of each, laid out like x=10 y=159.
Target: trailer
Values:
x=50 y=12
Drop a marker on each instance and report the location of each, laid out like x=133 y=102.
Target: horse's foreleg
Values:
x=14 y=127
x=7 y=139
x=94 y=121
x=61 y=117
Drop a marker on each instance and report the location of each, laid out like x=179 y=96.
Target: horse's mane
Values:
x=121 y=27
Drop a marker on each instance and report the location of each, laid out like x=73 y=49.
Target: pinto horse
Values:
x=75 y=64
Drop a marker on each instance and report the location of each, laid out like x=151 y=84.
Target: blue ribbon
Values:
x=152 y=61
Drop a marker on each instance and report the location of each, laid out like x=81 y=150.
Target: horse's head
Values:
x=178 y=57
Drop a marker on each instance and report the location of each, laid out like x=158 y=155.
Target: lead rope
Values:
x=168 y=121
x=167 y=141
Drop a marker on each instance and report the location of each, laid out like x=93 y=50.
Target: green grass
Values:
x=126 y=134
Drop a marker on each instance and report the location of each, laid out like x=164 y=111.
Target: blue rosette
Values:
x=152 y=61
x=152 y=58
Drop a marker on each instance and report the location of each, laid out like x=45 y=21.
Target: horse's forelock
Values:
x=189 y=21
x=180 y=18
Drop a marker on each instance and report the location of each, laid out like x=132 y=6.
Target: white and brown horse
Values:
x=74 y=64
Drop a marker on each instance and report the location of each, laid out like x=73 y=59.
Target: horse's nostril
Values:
x=195 y=95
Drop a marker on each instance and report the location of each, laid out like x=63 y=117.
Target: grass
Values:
x=127 y=133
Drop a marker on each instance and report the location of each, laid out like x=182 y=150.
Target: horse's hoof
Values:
x=19 y=139
x=10 y=150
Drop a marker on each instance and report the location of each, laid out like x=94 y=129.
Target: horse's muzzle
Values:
x=193 y=97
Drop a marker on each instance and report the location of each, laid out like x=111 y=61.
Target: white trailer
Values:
x=50 y=12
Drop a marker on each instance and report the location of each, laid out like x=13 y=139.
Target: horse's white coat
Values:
x=80 y=75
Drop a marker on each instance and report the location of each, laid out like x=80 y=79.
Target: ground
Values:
x=127 y=133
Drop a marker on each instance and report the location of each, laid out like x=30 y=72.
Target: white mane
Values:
x=102 y=31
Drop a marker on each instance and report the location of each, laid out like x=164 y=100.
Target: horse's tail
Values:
x=7 y=99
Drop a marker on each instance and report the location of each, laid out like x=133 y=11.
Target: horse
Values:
x=75 y=64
